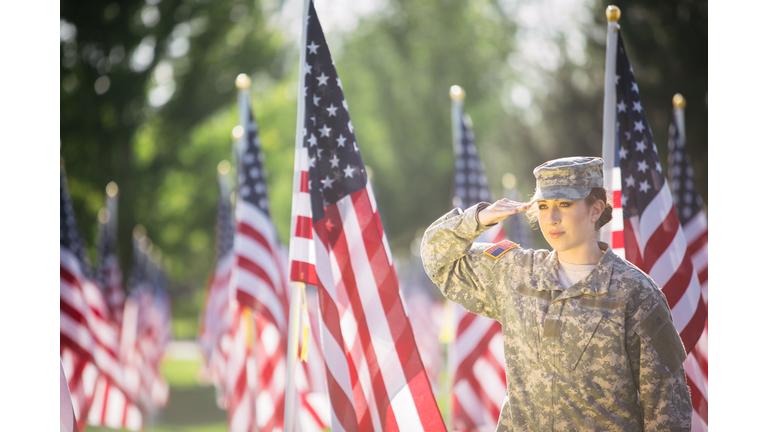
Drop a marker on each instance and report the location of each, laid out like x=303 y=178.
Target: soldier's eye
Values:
x=565 y=204
x=542 y=206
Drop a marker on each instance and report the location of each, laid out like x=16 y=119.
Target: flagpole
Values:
x=448 y=332
x=609 y=104
x=678 y=104
x=296 y=287
x=112 y=192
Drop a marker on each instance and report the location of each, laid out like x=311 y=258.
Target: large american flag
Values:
x=693 y=219
x=652 y=236
x=375 y=377
x=479 y=383
x=89 y=338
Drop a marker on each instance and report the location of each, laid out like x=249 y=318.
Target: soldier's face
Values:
x=566 y=225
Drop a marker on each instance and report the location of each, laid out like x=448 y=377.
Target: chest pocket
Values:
x=576 y=333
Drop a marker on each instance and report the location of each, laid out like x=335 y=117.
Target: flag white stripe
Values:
x=700 y=258
x=697 y=423
x=263 y=258
x=374 y=209
x=404 y=407
x=670 y=260
x=696 y=226
x=654 y=214
x=491 y=385
x=468 y=401
x=260 y=222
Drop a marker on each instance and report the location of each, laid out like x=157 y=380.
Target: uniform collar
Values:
x=596 y=282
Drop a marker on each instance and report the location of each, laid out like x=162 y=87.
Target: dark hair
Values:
x=595 y=194
x=601 y=194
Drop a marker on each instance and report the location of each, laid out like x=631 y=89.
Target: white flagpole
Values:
x=296 y=287
x=609 y=106
x=678 y=104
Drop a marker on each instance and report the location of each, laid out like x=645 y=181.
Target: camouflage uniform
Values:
x=603 y=355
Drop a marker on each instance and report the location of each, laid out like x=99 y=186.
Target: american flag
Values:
x=693 y=219
x=89 y=339
x=479 y=383
x=653 y=239
x=259 y=280
x=375 y=377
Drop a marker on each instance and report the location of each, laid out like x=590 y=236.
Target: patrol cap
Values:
x=570 y=178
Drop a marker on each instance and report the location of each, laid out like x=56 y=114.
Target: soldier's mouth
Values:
x=556 y=234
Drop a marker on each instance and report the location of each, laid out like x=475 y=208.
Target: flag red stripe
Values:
x=631 y=248
x=305 y=181
x=246 y=229
x=677 y=285
x=303 y=227
x=338 y=242
x=692 y=331
x=617 y=239
x=617 y=199
x=73 y=313
x=660 y=240
x=304 y=272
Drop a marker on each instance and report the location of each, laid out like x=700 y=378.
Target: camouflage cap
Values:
x=570 y=178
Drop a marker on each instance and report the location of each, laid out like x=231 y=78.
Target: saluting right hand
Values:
x=499 y=211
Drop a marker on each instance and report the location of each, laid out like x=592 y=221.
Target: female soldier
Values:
x=589 y=342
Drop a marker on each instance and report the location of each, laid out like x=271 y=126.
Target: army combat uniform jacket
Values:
x=602 y=355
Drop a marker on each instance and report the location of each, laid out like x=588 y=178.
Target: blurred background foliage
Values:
x=148 y=100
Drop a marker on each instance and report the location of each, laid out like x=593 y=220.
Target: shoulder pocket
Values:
x=658 y=330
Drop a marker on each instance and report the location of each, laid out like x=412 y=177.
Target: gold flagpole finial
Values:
x=457 y=93
x=243 y=81
x=237 y=132
x=112 y=189
x=678 y=101
x=139 y=232
x=613 y=13
x=223 y=167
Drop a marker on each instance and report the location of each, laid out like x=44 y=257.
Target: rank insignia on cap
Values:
x=500 y=248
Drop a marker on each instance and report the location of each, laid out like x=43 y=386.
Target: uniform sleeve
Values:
x=454 y=265
x=656 y=356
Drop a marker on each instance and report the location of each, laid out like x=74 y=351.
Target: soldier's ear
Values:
x=597 y=209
